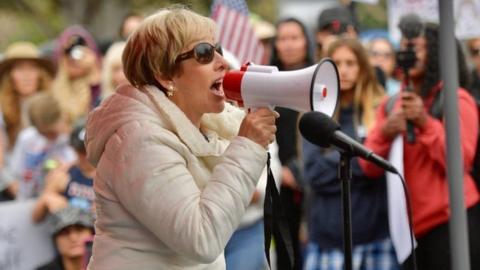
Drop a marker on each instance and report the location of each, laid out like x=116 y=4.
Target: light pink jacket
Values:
x=166 y=197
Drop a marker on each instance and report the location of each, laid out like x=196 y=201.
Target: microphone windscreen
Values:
x=410 y=25
x=318 y=128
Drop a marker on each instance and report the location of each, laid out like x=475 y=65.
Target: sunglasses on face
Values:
x=475 y=51
x=381 y=54
x=202 y=52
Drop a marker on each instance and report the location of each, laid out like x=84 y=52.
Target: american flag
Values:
x=235 y=31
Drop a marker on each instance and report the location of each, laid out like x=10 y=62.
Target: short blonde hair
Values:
x=154 y=46
x=44 y=109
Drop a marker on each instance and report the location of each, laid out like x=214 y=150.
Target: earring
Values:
x=171 y=90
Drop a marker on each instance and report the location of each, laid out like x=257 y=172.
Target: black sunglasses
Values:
x=475 y=51
x=202 y=52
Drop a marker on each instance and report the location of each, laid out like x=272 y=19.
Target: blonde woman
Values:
x=77 y=85
x=176 y=166
x=360 y=93
x=23 y=72
x=112 y=69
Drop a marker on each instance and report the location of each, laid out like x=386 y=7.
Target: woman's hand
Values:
x=288 y=179
x=48 y=202
x=89 y=62
x=54 y=201
x=12 y=189
x=57 y=179
x=88 y=59
x=394 y=124
x=259 y=126
x=413 y=108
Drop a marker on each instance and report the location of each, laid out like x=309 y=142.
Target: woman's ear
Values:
x=164 y=81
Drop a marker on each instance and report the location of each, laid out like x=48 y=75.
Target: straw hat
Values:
x=262 y=28
x=24 y=51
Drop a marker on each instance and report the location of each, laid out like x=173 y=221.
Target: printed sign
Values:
x=23 y=245
x=466 y=15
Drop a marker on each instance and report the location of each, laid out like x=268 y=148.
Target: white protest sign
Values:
x=466 y=15
x=426 y=9
x=372 y=2
x=23 y=245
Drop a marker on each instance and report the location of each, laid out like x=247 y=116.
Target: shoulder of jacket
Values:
x=139 y=134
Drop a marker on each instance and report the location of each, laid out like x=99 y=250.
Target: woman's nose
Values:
x=220 y=61
x=342 y=70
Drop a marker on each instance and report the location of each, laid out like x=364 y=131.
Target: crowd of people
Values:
x=180 y=173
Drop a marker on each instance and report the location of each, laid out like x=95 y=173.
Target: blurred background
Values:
x=42 y=21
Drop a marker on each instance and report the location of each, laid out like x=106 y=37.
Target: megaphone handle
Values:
x=252 y=109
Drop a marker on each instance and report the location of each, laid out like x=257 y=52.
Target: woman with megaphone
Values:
x=359 y=94
x=176 y=165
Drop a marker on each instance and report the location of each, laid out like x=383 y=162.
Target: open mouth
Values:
x=217 y=88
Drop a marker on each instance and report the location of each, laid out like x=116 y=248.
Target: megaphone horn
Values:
x=314 y=88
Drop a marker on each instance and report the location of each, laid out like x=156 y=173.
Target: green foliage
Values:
x=372 y=16
x=41 y=21
x=266 y=9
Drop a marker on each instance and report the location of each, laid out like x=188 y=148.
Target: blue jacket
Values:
x=368 y=196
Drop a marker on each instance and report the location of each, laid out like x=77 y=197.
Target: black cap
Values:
x=334 y=17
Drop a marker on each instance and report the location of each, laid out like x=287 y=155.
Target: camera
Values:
x=74 y=50
x=406 y=58
x=411 y=27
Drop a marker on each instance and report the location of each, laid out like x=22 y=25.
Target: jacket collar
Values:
x=207 y=144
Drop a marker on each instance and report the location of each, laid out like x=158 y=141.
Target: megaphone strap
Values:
x=276 y=223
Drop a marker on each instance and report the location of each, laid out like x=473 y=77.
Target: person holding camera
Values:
x=77 y=84
x=176 y=165
x=424 y=159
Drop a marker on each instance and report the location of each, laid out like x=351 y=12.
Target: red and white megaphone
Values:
x=310 y=89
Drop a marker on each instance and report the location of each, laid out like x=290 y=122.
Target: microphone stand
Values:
x=345 y=176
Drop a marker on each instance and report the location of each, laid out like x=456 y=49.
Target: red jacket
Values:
x=425 y=162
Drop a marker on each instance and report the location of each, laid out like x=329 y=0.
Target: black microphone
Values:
x=321 y=130
x=411 y=25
